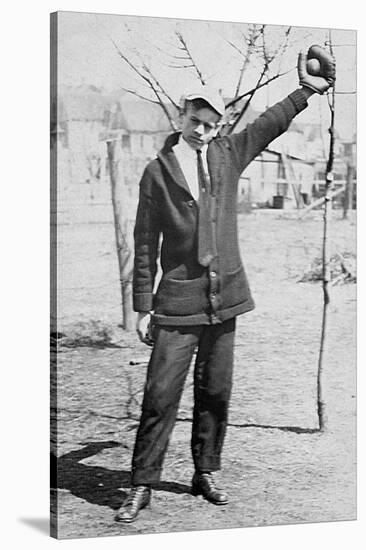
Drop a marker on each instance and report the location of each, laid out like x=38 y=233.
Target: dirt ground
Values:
x=277 y=467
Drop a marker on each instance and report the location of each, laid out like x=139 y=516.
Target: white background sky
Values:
x=25 y=267
x=87 y=55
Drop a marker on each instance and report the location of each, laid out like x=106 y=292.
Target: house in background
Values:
x=285 y=169
x=82 y=114
x=88 y=117
x=141 y=127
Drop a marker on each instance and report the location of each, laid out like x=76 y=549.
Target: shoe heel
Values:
x=195 y=491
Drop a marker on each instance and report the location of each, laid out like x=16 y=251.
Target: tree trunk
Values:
x=123 y=225
x=322 y=412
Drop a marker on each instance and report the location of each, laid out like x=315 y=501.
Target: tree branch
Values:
x=133 y=92
x=160 y=87
x=246 y=106
x=254 y=34
x=184 y=47
x=249 y=92
x=152 y=82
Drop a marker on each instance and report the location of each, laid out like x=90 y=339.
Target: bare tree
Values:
x=258 y=44
x=250 y=40
x=322 y=413
x=145 y=73
x=133 y=59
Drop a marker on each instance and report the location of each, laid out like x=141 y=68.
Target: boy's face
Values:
x=199 y=126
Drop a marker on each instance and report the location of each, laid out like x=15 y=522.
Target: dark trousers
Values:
x=166 y=375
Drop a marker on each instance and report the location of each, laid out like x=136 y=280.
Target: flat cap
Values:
x=207 y=93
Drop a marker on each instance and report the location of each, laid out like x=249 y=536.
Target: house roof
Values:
x=85 y=103
x=140 y=116
x=114 y=110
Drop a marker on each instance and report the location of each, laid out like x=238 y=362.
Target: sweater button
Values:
x=213 y=274
x=190 y=203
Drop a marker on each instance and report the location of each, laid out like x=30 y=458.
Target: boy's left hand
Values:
x=322 y=81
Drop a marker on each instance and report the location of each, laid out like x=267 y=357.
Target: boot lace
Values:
x=209 y=477
x=135 y=494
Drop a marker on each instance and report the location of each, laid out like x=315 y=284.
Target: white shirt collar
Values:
x=187 y=158
x=187 y=150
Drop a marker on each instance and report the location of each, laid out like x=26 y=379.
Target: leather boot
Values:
x=138 y=498
x=204 y=484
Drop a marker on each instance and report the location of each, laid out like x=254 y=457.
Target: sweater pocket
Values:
x=234 y=288
x=180 y=298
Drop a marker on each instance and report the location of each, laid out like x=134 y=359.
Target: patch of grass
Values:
x=342 y=269
x=92 y=334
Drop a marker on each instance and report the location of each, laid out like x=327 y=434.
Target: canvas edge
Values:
x=53 y=275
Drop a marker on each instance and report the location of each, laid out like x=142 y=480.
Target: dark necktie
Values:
x=206 y=239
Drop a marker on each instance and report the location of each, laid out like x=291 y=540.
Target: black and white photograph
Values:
x=203 y=274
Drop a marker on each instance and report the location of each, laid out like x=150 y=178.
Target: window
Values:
x=126 y=141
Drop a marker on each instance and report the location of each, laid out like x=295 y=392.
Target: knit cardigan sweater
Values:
x=188 y=293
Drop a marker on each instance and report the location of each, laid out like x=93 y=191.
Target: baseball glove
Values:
x=321 y=82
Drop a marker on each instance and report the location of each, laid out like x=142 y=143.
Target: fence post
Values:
x=123 y=226
x=348 y=193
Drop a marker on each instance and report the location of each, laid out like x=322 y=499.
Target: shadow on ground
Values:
x=96 y=484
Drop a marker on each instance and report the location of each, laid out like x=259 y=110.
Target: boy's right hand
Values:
x=143 y=328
